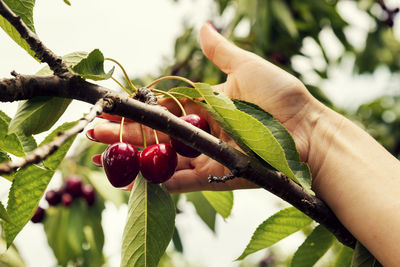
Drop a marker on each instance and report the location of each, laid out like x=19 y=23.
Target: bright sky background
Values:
x=141 y=34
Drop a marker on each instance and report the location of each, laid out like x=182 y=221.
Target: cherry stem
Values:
x=125 y=74
x=173 y=97
x=121 y=129
x=143 y=136
x=123 y=87
x=170 y=78
x=155 y=136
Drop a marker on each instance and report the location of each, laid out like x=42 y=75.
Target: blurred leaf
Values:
x=282 y=13
x=67 y=2
x=176 y=240
x=103 y=187
x=300 y=169
x=275 y=228
x=28 y=188
x=24 y=9
x=4 y=157
x=150 y=225
x=249 y=133
x=313 y=248
x=10 y=258
x=222 y=201
x=203 y=208
x=363 y=258
x=92 y=67
x=343 y=258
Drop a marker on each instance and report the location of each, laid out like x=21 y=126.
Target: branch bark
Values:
x=26 y=87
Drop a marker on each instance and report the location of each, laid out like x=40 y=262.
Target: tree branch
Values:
x=43 y=53
x=26 y=87
x=46 y=150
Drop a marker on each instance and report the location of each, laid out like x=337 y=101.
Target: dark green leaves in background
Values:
x=150 y=224
x=363 y=258
x=203 y=208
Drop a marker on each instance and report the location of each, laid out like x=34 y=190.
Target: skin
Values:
x=352 y=173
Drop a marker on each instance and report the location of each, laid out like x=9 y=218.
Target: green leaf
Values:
x=150 y=224
x=343 y=259
x=28 y=142
x=10 y=142
x=248 y=133
x=55 y=226
x=28 y=187
x=363 y=258
x=283 y=15
x=70 y=60
x=24 y=9
x=4 y=157
x=300 y=169
x=92 y=67
x=26 y=190
x=67 y=2
x=203 y=208
x=4 y=214
x=10 y=258
x=53 y=161
x=38 y=114
x=176 y=240
x=313 y=248
x=275 y=228
x=222 y=201
x=183 y=91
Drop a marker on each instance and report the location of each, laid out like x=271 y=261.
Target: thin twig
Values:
x=43 y=53
x=46 y=150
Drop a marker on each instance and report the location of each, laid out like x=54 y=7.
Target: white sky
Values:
x=140 y=34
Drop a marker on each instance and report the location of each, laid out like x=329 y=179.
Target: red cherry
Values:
x=73 y=185
x=53 y=197
x=67 y=199
x=39 y=215
x=158 y=163
x=186 y=150
x=121 y=163
x=88 y=194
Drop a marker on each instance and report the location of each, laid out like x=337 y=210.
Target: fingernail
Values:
x=90 y=135
x=96 y=160
x=212 y=25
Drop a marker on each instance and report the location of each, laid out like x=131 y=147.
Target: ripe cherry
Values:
x=39 y=215
x=73 y=185
x=186 y=150
x=67 y=199
x=88 y=194
x=53 y=197
x=121 y=163
x=158 y=162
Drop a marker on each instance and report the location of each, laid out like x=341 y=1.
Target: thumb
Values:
x=219 y=50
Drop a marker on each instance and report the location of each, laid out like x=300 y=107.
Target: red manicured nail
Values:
x=212 y=25
x=90 y=135
x=96 y=160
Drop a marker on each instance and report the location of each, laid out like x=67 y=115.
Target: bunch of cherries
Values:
x=73 y=188
x=157 y=163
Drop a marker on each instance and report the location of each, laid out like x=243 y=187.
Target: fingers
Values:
x=108 y=133
x=219 y=50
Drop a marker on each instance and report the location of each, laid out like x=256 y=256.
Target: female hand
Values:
x=249 y=78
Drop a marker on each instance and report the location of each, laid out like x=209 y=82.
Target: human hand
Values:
x=250 y=78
